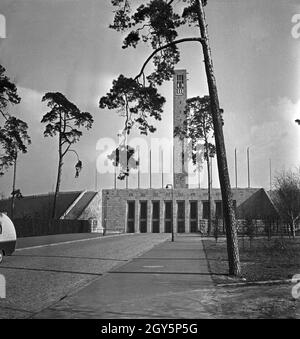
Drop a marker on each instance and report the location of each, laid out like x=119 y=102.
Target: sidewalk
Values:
x=159 y=284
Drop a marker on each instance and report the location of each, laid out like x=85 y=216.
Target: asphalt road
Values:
x=45 y=270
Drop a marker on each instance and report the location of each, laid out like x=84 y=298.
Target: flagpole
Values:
x=139 y=172
x=162 y=169
x=150 y=169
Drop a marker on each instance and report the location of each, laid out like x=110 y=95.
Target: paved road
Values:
x=127 y=277
x=152 y=285
x=45 y=270
x=172 y=280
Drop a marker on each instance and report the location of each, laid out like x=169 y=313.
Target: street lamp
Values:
x=170 y=186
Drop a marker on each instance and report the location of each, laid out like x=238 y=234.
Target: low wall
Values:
x=42 y=227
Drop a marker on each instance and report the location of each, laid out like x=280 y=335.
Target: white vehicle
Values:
x=8 y=237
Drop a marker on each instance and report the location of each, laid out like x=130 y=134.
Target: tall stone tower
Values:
x=179 y=103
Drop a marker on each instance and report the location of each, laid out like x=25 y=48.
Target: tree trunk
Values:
x=13 y=197
x=209 y=197
x=59 y=171
x=229 y=215
x=293 y=229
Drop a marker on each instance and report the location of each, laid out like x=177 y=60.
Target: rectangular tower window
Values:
x=180 y=216
x=168 y=216
x=180 y=84
x=130 y=216
x=155 y=216
x=143 y=216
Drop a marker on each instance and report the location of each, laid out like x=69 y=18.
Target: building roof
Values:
x=258 y=206
x=80 y=204
x=39 y=206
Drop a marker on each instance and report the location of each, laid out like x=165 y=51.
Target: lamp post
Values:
x=170 y=186
x=248 y=166
x=236 y=168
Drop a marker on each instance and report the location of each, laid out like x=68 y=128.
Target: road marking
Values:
x=153 y=266
x=68 y=242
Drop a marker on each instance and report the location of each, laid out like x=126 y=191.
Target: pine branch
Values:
x=173 y=43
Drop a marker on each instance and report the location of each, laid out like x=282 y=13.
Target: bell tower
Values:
x=179 y=103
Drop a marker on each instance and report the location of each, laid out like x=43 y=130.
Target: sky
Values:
x=66 y=46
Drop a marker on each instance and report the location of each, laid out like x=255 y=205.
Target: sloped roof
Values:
x=76 y=211
x=39 y=206
x=258 y=206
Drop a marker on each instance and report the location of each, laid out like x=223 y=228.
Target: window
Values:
x=155 y=216
x=168 y=216
x=219 y=210
x=205 y=209
x=180 y=84
x=143 y=216
x=180 y=216
x=193 y=216
x=130 y=216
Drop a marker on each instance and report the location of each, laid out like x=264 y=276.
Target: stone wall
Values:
x=43 y=227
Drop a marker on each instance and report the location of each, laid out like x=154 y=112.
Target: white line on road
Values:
x=69 y=242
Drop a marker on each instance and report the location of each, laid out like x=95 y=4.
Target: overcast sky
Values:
x=66 y=46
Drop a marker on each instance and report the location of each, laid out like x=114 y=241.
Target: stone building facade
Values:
x=157 y=210
x=160 y=210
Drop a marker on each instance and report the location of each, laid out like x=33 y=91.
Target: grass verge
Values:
x=261 y=259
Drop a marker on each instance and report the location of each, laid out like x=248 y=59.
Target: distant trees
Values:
x=14 y=136
x=64 y=120
x=198 y=128
x=158 y=24
x=287 y=197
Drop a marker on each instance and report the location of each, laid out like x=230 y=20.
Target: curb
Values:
x=70 y=242
x=261 y=283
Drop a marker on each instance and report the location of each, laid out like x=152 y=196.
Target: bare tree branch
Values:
x=175 y=42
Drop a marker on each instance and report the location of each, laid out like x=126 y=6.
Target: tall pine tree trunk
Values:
x=59 y=171
x=229 y=215
x=209 y=195
x=13 y=197
x=58 y=181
